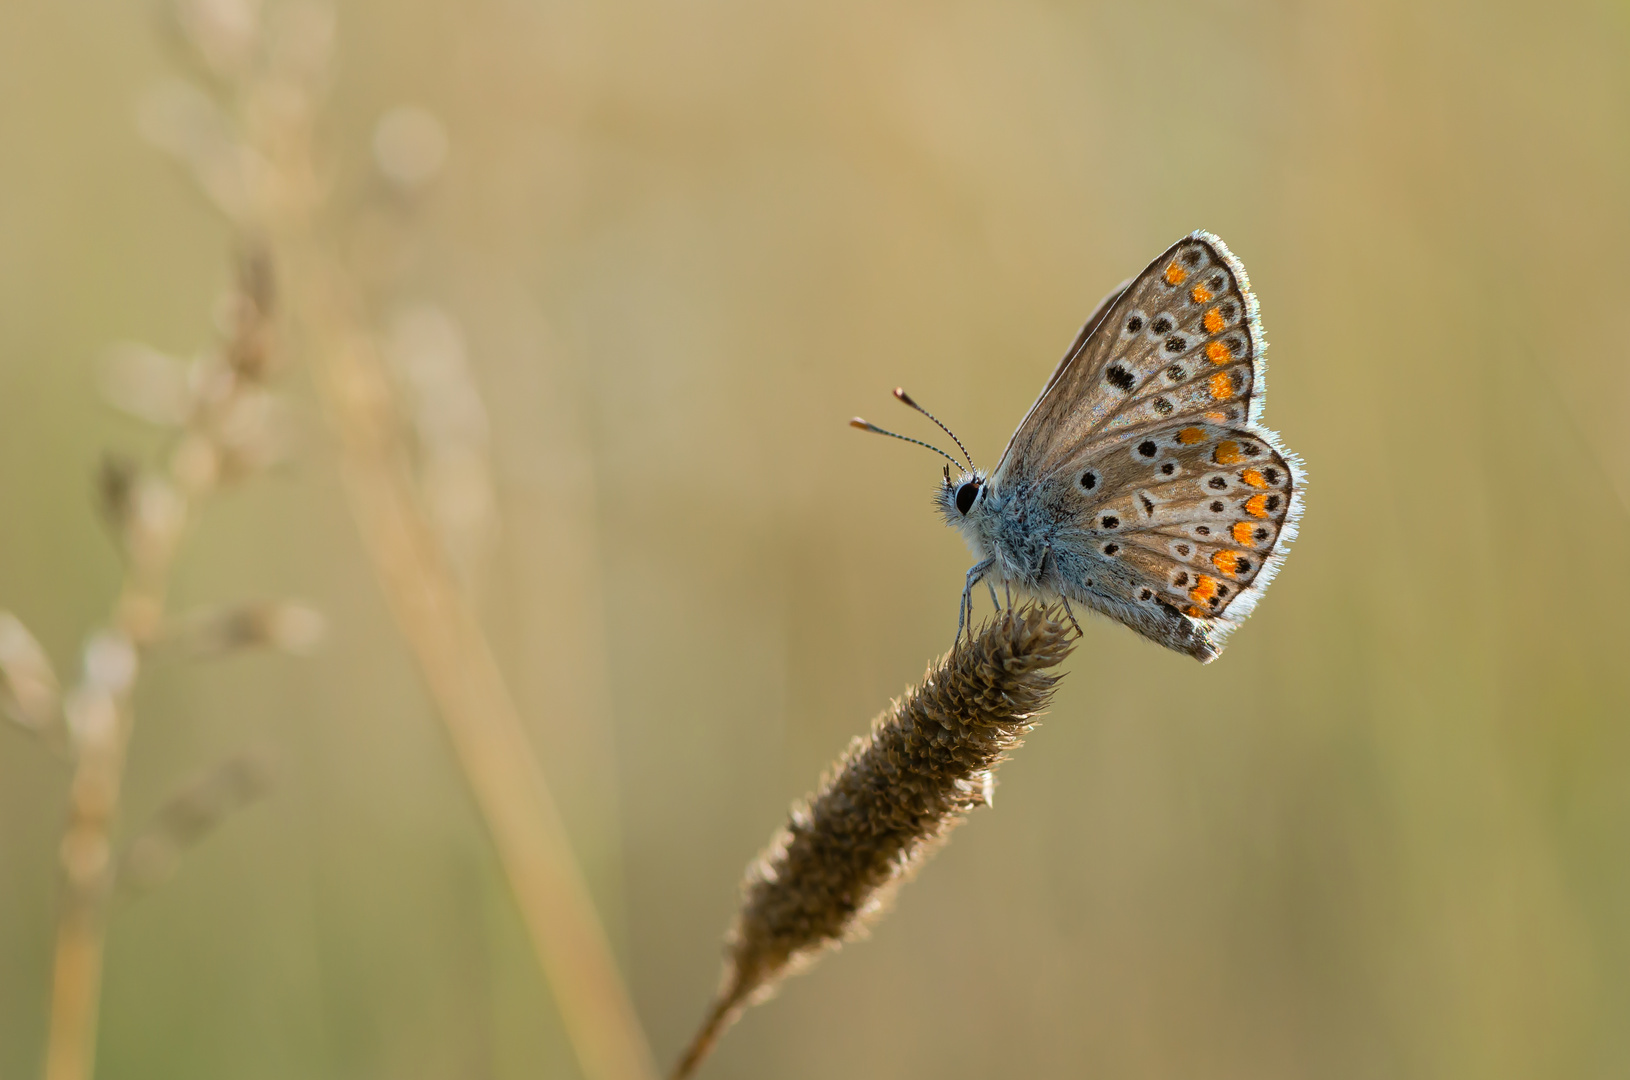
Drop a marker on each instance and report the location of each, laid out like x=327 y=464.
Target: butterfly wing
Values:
x=1182 y=340
x=1087 y=328
x=1175 y=505
x=1177 y=531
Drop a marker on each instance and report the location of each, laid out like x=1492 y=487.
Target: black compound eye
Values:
x=965 y=496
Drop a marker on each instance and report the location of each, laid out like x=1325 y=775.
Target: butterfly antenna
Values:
x=857 y=422
x=906 y=398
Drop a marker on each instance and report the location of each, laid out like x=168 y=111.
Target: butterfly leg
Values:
x=1071 y=614
x=995 y=603
x=964 y=611
x=1066 y=600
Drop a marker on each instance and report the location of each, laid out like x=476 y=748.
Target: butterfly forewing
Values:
x=1181 y=342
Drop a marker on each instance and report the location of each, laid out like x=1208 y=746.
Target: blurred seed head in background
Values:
x=634 y=265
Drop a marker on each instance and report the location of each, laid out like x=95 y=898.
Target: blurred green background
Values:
x=1386 y=835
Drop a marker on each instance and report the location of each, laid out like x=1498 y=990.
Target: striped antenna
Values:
x=906 y=398
x=863 y=425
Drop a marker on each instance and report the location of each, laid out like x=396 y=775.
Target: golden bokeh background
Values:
x=1386 y=835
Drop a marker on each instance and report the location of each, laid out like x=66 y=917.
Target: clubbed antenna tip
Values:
x=905 y=399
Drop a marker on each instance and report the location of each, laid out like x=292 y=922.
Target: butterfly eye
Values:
x=965 y=496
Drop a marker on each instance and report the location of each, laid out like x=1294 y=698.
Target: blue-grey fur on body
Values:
x=1037 y=548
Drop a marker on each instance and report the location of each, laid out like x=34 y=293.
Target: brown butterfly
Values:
x=1142 y=483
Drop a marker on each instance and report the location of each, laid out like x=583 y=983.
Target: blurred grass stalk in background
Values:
x=251 y=148
x=222 y=418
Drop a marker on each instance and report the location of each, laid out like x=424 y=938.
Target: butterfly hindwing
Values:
x=1178 y=531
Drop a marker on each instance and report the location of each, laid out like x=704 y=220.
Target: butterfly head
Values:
x=960 y=498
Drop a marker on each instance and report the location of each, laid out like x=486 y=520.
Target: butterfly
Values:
x=1141 y=483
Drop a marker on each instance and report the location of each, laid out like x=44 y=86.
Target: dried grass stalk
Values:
x=255 y=153
x=469 y=689
x=149 y=512
x=883 y=808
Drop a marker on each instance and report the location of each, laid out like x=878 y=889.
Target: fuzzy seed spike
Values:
x=883 y=808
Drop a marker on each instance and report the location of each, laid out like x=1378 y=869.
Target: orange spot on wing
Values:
x=1213 y=320
x=1216 y=416
x=1200 y=294
x=1175 y=274
x=1222 y=387
x=1228 y=453
x=1254 y=478
x=1257 y=506
x=1195 y=612
x=1190 y=435
x=1217 y=352
x=1227 y=562
x=1242 y=533
x=1204 y=590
